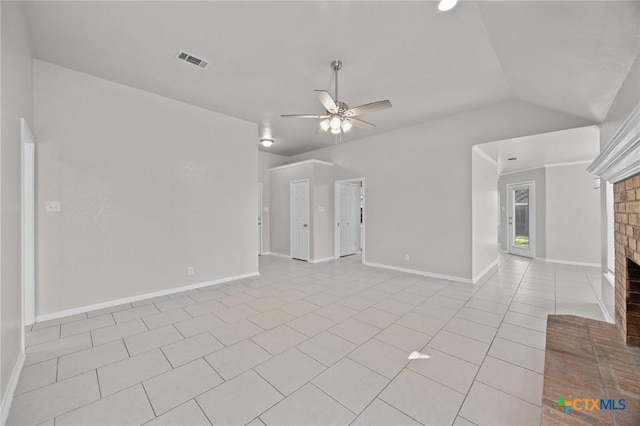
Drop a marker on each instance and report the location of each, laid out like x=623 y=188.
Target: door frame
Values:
x=260 y=219
x=27 y=223
x=532 y=217
x=291 y=183
x=336 y=215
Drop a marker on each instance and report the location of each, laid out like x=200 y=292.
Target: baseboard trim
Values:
x=605 y=312
x=417 y=272
x=324 y=259
x=7 y=398
x=484 y=275
x=286 y=256
x=569 y=262
x=89 y=308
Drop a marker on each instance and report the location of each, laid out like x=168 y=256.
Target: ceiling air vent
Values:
x=200 y=63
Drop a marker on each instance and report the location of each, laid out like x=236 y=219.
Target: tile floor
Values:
x=308 y=344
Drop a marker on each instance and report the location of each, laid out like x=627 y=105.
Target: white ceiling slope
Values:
x=579 y=145
x=268 y=57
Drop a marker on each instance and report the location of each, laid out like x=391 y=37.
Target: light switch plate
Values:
x=53 y=207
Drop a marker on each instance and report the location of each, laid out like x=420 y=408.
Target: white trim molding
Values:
x=484 y=275
x=570 y=163
x=569 y=262
x=417 y=272
x=605 y=312
x=7 y=397
x=324 y=259
x=619 y=159
x=484 y=155
x=300 y=163
x=89 y=308
x=286 y=256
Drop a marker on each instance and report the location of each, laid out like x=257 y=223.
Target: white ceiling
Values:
x=268 y=57
x=562 y=147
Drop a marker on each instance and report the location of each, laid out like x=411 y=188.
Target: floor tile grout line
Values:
x=390 y=296
x=507 y=393
x=486 y=354
x=201 y=409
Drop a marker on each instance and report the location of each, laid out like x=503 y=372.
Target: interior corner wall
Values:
x=484 y=194
x=149 y=186
x=627 y=98
x=539 y=177
x=418 y=182
x=323 y=209
x=281 y=207
x=17 y=102
x=572 y=215
x=267 y=160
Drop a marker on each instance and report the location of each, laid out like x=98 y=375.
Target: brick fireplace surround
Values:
x=627 y=231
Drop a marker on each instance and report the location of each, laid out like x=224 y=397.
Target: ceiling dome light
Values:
x=336 y=131
x=335 y=122
x=346 y=125
x=324 y=125
x=446 y=5
x=266 y=142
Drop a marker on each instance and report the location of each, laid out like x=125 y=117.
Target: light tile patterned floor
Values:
x=308 y=344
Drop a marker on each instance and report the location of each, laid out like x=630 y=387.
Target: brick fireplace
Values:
x=627 y=232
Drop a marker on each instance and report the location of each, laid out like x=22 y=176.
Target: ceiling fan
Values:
x=339 y=118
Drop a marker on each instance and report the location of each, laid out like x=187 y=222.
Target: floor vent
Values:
x=200 y=63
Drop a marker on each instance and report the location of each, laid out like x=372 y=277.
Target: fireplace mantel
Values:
x=620 y=159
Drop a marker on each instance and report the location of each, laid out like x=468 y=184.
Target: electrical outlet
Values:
x=53 y=207
x=406 y=257
x=190 y=270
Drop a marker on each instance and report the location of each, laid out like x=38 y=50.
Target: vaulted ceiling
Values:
x=268 y=57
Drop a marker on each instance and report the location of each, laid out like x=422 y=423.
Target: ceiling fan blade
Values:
x=367 y=108
x=327 y=101
x=361 y=123
x=304 y=116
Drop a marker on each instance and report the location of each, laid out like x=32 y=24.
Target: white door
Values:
x=28 y=223
x=521 y=219
x=259 y=219
x=300 y=220
x=349 y=214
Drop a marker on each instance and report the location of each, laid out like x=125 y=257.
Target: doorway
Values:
x=260 y=219
x=521 y=219
x=28 y=193
x=349 y=217
x=300 y=219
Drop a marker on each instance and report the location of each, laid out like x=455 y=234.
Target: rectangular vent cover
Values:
x=200 y=63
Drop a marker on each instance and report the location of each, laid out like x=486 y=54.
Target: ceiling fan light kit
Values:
x=338 y=118
x=446 y=5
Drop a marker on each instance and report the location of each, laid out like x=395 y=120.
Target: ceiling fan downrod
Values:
x=336 y=66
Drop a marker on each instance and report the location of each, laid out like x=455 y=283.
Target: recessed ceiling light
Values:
x=266 y=142
x=446 y=5
x=512 y=158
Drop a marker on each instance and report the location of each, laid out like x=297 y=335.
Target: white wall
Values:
x=149 y=186
x=17 y=101
x=281 y=205
x=418 y=182
x=323 y=209
x=627 y=98
x=320 y=178
x=539 y=177
x=572 y=216
x=484 y=204
x=267 y=160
